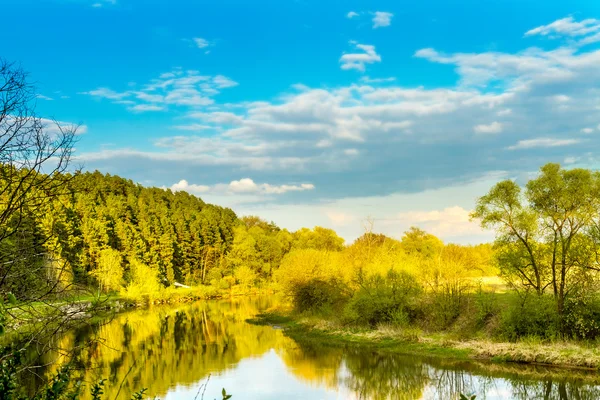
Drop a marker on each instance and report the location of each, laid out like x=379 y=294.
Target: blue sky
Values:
x=320 y=112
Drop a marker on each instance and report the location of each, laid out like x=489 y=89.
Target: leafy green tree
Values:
x=547 y=237
x=318 y=238
x=244 y=251
x=417 y=242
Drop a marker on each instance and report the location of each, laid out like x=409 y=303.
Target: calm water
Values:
x=173 y=351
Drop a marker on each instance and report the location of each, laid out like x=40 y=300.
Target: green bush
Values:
x=530 y=316
x=444 y=305
x=582 y=316
x=389 y=299
x=486 y=306
x=318 y=295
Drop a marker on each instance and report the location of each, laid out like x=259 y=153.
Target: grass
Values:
x=411 y=341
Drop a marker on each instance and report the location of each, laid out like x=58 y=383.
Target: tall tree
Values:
x=34 y=156
x=547 y=237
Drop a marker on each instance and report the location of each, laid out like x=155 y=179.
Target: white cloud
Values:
x=567 y=27
x=351 y=152
x=367 y=79
x=242 y=186
x=178 y=88
x=224 y=82
x=192 y=127
x=583 y=32
x=451 y=221
x=561 y=98
x=187 y=96
x=201 y=43
x=357 y=61
x=42 y=97
x=183 y=185
x=106 y=93
x=494 y=127
x=587 y=130
x=518 y=71
x=146 y=107
x=153 y=98
x=53 y=127
x=543 y=142
x=218 y=117
x=382 y=19
x=352 y=14
x=590 y=39
x=571 y=160
x=103 y=2
x=340 y=218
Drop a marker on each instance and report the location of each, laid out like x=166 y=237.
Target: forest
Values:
x=110 y=234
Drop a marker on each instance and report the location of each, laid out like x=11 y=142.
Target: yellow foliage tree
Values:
x=109 y=272
x=144 y=280
x=303 y=265
x=245 y=276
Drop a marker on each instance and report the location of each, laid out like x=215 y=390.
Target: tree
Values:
x=110 y=270
x=143 y=280
x=547 y=237
x=34 y=154
x=245 y=276
x=318 y=238
x=419 y=243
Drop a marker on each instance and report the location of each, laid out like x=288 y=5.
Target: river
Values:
x=177 y=352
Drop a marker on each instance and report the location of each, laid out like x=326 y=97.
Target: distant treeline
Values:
x=108 y=232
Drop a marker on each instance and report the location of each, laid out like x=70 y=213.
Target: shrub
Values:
x=445 y=303
x=318 y=295
x=582 y=316
x=245 y=276
x=314 y=279
x=144 y=282
x=486 y=306
x=389 y=299
x=529 y=315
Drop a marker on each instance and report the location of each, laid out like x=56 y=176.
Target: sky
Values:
x=329 y=113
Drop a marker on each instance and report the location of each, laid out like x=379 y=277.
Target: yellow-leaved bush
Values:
x=143 y=282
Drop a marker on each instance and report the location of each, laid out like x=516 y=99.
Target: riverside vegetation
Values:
x=421 y=290
x=64 y=233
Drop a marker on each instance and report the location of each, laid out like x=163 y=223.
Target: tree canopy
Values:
x=547 y=234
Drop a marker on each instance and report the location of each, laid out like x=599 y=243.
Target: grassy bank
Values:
x=32 y=316
x=385 y=338
x=175 y=295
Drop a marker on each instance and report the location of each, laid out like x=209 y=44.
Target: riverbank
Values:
x=574 y=355
x=23 y=317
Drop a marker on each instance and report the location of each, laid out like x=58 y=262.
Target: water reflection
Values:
x=172 y=351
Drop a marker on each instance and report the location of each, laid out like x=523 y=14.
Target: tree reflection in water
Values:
x=167 y=347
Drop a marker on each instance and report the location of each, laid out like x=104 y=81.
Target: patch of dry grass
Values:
x=559 y=353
